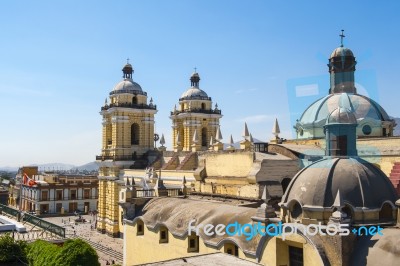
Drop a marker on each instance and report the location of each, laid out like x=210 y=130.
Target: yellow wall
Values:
x=109 y=216
x=146 y=248
x=228 y=164
x=276 y=251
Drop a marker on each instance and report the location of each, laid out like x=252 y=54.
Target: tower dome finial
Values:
x=127 y=70
x=195 y=79
x=341 y=38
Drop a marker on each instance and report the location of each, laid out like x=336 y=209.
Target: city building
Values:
x=128 y=142
x=53 y=193
x=325 y=183
x=14 y=191
x=195 y=122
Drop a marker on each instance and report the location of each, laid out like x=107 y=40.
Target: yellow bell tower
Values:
x=128 y=133
x=194 y=122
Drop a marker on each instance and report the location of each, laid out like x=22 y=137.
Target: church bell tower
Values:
x=128 y=133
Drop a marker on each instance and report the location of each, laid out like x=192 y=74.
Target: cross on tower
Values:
x=341 y=38
x=127 y=60
x=195 y=69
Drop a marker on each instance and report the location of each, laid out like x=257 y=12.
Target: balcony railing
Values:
x=197 y=110
x=115 y=157
x=195 y=98
x=58 y=199
x=129 y=105
x=145 y=193
x=128 y=91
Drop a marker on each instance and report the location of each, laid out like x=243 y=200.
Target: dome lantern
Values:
x=195 y=79
x=342 y=65
x=127 y=70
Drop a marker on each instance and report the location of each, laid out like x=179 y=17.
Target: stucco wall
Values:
x=146 y=248
x=236 y=164
x=276 y=251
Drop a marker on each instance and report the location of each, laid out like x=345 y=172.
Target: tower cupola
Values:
x=342 y=65
x=127 y=70
x=340 y=130
x=195 y=79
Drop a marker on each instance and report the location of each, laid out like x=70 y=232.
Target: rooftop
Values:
x=205 y=260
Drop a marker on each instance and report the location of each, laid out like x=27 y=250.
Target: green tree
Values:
x=12 y=252
x=42 y=253
x=78 y=253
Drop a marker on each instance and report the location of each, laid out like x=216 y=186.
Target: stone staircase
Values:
x=189 y=163
x=395 y=176
x=157 y=162
x=118 y=256
x=172 y=164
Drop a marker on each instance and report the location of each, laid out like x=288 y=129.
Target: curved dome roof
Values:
x=341 y=51
x=343 y=116
x=127 y=85
x=361 y=184
x=194 y=92
x=363 y=108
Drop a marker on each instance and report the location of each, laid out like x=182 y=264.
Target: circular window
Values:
x=366 y=129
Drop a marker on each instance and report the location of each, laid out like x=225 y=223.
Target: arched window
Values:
x=285 y=183
x=203 y=106
x=135 y=134
x=231 y=249
x=386 y=212
x=139 y=228
x=134 y=100
x=204 y=137
x=348 y=211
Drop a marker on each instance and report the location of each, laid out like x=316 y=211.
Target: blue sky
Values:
x=60 y=59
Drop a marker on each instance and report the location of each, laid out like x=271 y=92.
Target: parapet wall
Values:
x=232 y=164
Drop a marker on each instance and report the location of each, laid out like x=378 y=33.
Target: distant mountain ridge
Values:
x=396 y=131
x=92 y=166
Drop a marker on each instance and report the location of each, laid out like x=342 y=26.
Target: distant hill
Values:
x=54 y=166
x=88 y=167
x=8 y=169
x=396 y=131
x=92 y=166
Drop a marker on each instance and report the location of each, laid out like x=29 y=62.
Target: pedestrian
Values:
x=113 y=262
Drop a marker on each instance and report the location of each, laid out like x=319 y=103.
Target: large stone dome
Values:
x=127 y=86
x=367 y=112
x=193 y=93
x=364 y=188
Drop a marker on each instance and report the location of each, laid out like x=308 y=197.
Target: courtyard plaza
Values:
x=108 y=249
